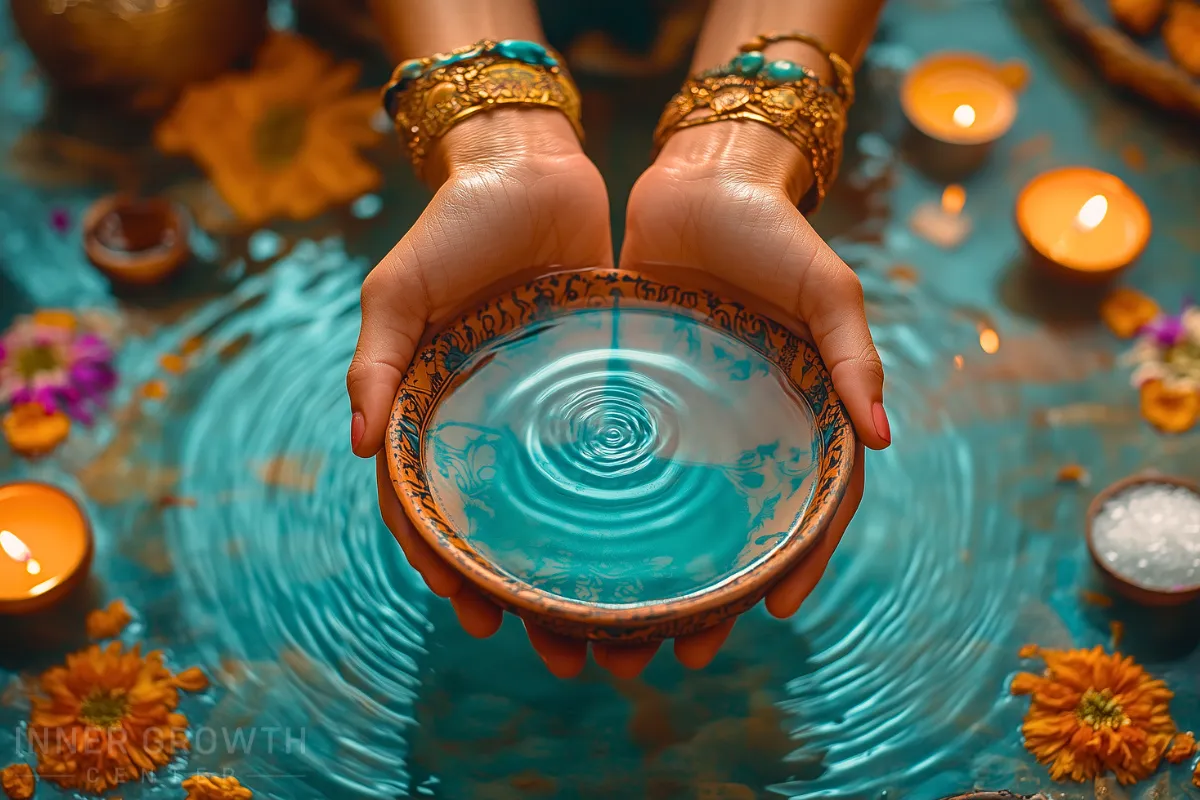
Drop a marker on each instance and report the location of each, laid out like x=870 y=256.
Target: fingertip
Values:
x=625 y=661
x=697 y=650
x=564 y=657
x=477 y=615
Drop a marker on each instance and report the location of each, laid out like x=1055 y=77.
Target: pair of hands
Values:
x=517 y=194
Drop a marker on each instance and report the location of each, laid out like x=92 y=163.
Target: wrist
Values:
x=501 y=137
x=741 y=150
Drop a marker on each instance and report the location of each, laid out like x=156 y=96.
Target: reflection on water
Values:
x=297 y=598
x=622 y=456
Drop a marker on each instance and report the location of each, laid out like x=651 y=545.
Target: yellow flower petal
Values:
x=1170 y=410
x=108 y=622
x=1125 y=311
x=30 y=431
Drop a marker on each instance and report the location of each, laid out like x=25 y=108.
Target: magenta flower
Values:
x=59 y=368
x=1167 y=330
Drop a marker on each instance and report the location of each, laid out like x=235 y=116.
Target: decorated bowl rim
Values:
x=533 y=301
x=1181 y=595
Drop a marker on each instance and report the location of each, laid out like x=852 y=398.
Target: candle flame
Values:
x=1092 y=213
x=989 y=340
x=33 y=567
x=953 y=199
x=964 y=116
x=13 y=547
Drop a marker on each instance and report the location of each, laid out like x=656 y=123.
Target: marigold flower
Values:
x=282 y=140
x=32 y=431
x=1182 y=748
x=1126 y=311
x=215 y=787
x=106 y=623
x=1092 y=712
x=17 y=781
x=1171 y=410
x=105 y=717
x=192 y=679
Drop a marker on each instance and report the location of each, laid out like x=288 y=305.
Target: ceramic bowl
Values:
x=1129 y=588
x=136 y=241
x=617 y=458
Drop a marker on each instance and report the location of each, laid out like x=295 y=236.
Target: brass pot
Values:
x=137 y=53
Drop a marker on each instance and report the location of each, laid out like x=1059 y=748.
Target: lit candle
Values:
x=136 y=241
x=943 y=223
x=45 y=546
x=1082 y=223
x=958 y=105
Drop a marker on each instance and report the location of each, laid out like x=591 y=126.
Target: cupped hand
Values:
x=721 y=199
x=516 y=194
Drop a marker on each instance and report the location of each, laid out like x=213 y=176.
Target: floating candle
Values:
x=944 y=224
x=136 y=241
x=1083 y=223
x=45 y=546
x=1144 y=533
x=958 y=104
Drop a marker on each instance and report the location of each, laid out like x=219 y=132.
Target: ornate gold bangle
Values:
x=842 y=70
x=427 y=97
x=810 y=116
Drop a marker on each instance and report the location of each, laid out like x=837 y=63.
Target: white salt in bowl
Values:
x=1144 y=534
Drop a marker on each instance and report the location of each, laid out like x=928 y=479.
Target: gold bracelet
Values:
x=811 y=117
x=427 y=97
x=842 y=70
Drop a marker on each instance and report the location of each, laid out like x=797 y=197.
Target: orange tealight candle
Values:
x=958 y=105
x=45 y=546
x=1082 y=223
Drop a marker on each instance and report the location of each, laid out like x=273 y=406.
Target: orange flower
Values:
x=1182 y=748
x=1125 y=311
x=192 y=680
x=105 y=623
x=1092 y=712
x=17 y=781
x=32 y=432
x=282 y=140
x=1168 y=409
x=105 y=717
x=214 y=787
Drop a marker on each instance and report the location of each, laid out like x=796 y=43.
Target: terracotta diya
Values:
x=136 y=241
x=616 y=458
x=1143 y=533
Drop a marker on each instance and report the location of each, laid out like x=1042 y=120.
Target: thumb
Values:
x=394 y=312
x=831 y=303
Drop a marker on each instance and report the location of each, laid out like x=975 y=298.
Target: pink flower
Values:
x=58 y=367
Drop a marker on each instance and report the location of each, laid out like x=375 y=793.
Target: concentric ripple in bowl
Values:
x=619 y=458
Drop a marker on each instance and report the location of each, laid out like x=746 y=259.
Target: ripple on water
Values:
x=289 y=579
x=622 y=457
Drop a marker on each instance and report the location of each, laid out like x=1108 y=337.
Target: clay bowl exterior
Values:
x=429 y=379
x=156 y=230
x=138 y=55
x=1142 y=595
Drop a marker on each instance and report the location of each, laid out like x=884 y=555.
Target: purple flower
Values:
x=1167 y=330
x=56 y=367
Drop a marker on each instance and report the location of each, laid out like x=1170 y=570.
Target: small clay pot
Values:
x=136 y=241
x=1143 y=595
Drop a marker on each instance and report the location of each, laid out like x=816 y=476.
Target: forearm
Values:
x=415 y=28
x=843 y=26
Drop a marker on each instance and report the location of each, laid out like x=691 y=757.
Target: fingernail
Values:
x=358 y=426
x=882 y=427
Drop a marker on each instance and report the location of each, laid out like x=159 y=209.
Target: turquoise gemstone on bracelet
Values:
x=456 y=57
x=411 y=69
x=783 y=71
x=747 y=64
x=527 y=52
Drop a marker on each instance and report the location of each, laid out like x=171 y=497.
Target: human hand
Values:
x=516 y=193
x=721 y=199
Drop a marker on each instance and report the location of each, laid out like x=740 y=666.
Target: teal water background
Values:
x=356 y=682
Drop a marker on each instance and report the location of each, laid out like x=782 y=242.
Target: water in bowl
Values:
x=622 y=456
